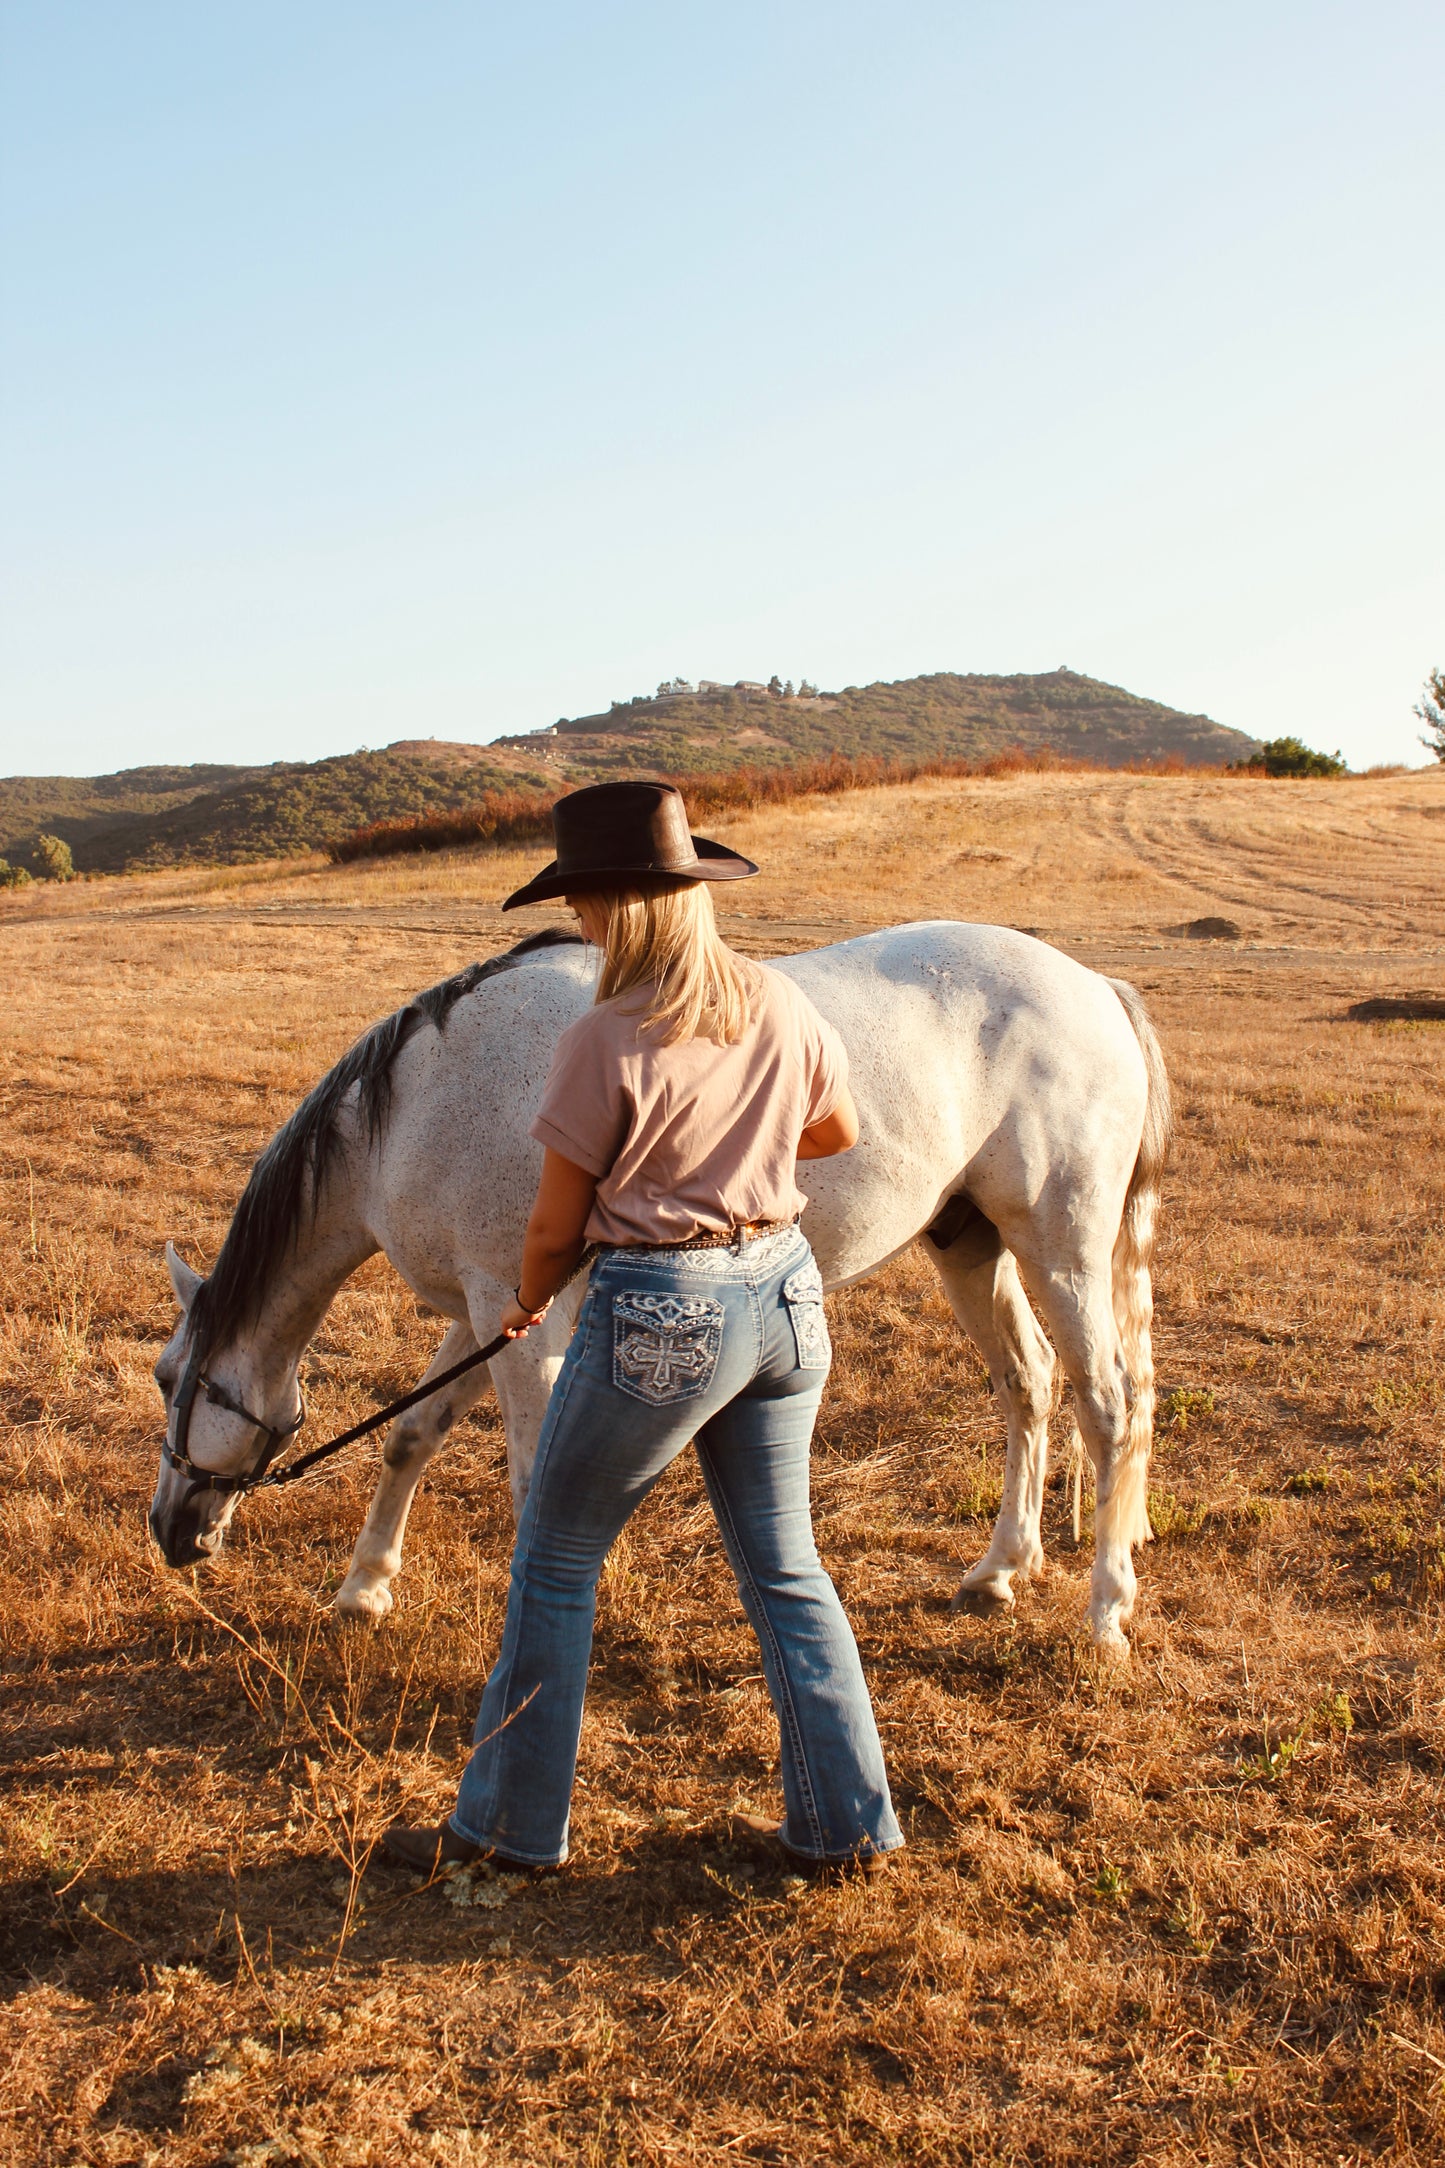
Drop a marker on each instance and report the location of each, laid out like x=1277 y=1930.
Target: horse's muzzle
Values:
x=181 y=1538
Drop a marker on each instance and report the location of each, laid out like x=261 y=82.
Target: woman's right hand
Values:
x=516 y=1322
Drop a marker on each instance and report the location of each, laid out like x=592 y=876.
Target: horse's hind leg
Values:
x=986 y=1297
x=1112 y=1410
x=412 y=1441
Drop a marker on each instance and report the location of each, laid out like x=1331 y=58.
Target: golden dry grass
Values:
x=1192 y=1912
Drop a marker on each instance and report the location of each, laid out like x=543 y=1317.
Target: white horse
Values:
x=1014 y=1107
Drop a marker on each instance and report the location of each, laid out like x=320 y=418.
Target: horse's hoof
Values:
x=361 y=1606
x=983 y=1602
x=1112 y=1646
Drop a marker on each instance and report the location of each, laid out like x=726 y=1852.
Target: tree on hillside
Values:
x=12 y=876
x=50 y=858
x=775 y=686
x=1291 y=756
x=1430 y=708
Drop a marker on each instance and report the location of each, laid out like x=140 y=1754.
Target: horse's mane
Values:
x=293 y=1167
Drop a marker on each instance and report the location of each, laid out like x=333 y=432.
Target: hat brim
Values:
x=714 y=863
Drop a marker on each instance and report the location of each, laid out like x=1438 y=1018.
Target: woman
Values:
x=671 y=1120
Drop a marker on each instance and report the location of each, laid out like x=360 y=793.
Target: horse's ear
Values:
x=183 y=1280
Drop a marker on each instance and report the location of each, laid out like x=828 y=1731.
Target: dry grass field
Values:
x=1190 y=1911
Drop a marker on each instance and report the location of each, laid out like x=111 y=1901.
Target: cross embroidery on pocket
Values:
x=665 y=1347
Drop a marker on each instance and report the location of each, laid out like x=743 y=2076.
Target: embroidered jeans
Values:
x=728 y=1348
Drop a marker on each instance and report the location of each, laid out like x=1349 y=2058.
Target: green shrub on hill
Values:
x=1291 y=756
x=50 y=859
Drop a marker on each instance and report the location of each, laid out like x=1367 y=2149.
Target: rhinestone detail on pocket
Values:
x=803 y=1293
x=665 y=1348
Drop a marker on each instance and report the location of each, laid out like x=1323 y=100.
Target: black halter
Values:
x=263 y=1475
x=203 y=1479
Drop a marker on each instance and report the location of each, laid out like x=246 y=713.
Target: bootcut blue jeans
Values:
x=728 y=1347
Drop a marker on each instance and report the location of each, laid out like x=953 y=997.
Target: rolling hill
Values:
x=143 y=818
x=945 y=715
x=209 y=814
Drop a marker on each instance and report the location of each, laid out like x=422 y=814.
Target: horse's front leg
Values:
x=524 y=1375
x=988 y=1300
x=411 y=1442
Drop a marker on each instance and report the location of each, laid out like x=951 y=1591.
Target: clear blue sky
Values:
x=371 y=371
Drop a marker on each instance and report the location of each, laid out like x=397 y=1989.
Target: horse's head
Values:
x=217 y=1416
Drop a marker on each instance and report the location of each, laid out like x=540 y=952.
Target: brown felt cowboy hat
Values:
x=626 y=835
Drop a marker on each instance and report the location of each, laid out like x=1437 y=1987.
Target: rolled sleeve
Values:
x=582 y=1114
x=577 y=1149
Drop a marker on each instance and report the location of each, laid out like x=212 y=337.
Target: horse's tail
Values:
x=1128 y=1500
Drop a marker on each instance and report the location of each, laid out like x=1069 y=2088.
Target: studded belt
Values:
x=738 y=1237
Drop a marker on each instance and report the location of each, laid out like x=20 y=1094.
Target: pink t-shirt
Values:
x=690 y=1138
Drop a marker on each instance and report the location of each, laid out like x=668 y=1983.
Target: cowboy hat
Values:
x=626 y=835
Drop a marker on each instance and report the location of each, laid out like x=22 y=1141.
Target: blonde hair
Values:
x=668 y=939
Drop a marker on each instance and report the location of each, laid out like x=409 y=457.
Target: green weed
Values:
x=1333 y=1712
x=1178 y=1408
x=1170 y=1516
x=1273 y=1763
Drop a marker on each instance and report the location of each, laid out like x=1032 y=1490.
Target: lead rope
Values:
x=275 y=1478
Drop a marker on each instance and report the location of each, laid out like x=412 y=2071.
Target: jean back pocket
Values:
x=665 y=1348
x=803 y=1293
